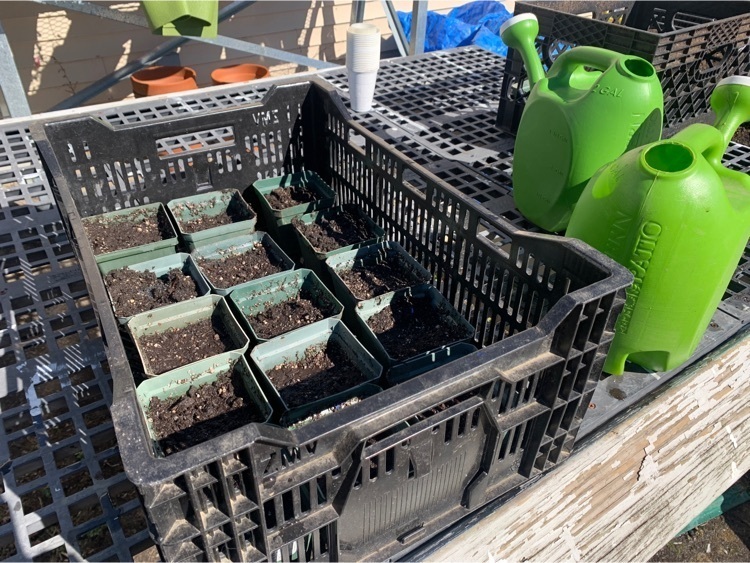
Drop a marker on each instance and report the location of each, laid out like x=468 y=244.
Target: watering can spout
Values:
x=519 y=33
x=730 y=101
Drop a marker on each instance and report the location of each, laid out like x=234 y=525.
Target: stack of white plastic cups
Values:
x=362 y=63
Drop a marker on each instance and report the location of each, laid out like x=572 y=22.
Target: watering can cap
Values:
x=734 y=80
x=515 y=19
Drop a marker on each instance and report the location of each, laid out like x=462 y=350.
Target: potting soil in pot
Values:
x=234 y=213
x=321 y=373
x=368 y=281
x=204 y=412
x=141 y=227
x=235 y=269
x=134 y=292
x=283 y=198
x=347 y=227
x=299 y=311
x=411 y=326
x=177 y=347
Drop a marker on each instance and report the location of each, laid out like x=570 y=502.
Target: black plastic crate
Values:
x=381 y=476
x=692 y=45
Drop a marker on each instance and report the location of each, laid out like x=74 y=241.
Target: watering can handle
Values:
x=569 y=61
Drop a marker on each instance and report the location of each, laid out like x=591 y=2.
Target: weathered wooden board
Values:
x=630 y=491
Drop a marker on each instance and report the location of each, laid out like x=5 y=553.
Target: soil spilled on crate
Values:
x=301 y=310
x=283 y=198
x=168 y=350
x=234 y=269
x=133 y=292
x=321 y=373
x=412 y=326
x=204 y=412
x=234 y=213
x=345 y=228
x=108 y=234
x=371 y=280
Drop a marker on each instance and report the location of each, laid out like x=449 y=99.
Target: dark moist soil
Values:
x=168 y=350
x=368 y=281
x=345 y=228
x=142 y=227
x=133 y=292
x=323 y=372
x=411 y=326
x=283 y=198
x=238 y=268
x=300 y=311
x=234 y=213
x=204 y=412
x=742 y=136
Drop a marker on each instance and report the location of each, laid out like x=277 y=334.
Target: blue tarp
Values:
x=475 y=23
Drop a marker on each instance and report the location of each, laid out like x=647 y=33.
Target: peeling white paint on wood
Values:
x=628 y=493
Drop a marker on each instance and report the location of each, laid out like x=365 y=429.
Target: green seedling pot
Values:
x=313 y=258
x=141 y=252
x=160 y=267
x=420 y=362
x=178 y=381
x=279 y=221
x=294 y=345
x=366 y=390
x=369 y=256
x=426 y=362
x=259 y=295
x=180 y=315
x=211 y=204
x=239 y=245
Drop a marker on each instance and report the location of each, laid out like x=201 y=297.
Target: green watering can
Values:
x=592 y=106
x=679 y=221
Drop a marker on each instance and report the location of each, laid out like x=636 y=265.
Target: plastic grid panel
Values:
x=64 y=493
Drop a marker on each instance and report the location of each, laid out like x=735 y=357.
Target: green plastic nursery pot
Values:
x=420 y=362
x=158 y=249
x=238 y=245
x=160 y=267
x=294 y=422
x=176 y=384
x=279 y=221
x=181 y=315
x=178 y=18
x=260 y=295
x=212 y=204
x=388 y=252
x=313 y=258
x=295 y=345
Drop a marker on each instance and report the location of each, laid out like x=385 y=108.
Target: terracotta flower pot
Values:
x=238 y=73
x=156 y=80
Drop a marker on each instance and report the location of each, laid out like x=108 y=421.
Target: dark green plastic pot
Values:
x=160 y=267
x=407 y=368
x=182 y=314
x=294 y=345
x=177 y=382
x=238 y=245
x=211 y=204
x=294 y=422
x=278 y=221
x=314 y=258
x=260 y=295
x=369 y=256
x=142 y=252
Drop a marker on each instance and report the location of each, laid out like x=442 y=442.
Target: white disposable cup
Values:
x=363 y=47
x=361 y=89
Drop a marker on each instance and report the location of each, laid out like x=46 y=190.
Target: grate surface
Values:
x=63 y=493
